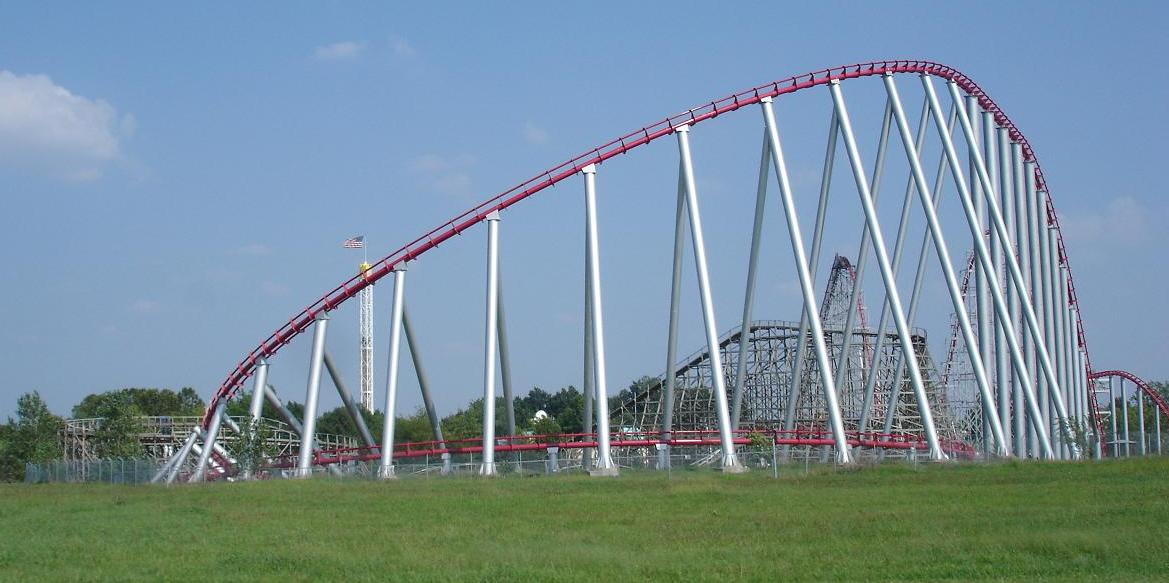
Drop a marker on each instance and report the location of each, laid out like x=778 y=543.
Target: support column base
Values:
x=734 y=468
x=609 y=472
x=386 y=473
x=302 y=473
x=446 y=465
x=487 y=470
x=552 y=464
x=663 y=456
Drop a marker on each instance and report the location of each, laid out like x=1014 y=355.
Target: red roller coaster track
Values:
x=416 y=248
x=1140 y=383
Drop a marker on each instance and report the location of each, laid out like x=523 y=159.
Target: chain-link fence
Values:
x=765 y=459
x=132 y=471
x=770 y=459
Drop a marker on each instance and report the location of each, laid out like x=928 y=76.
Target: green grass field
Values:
x=1026 y=521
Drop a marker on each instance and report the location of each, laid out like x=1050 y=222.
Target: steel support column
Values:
x=386 y=467
x=943 y=253
x=1112 y=416
x=749 y=293
x=1124 y=416
x=1142 y=449
x=304 y=464
x=843 y=455
x=424 y=387
x=181 y=457
x=996 y=220
x=489 y=347
x=259 y=381
x=672 y=332
x=919 y=278
x=351 y=407
x=813 y=266
x=209 y=442
x=898 y=247
x=730 y=461
x=894 y=298
x=604 y=464
x=505 y=363
x=862 y=257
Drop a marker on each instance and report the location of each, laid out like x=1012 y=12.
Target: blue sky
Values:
x=177 y=182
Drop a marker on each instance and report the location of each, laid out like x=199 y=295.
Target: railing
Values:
x=628 y=439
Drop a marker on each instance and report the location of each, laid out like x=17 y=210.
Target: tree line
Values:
x=35 y=434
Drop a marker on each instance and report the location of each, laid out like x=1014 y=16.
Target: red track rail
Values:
x=646 y=439
x=1156 y=397
x=435 y=237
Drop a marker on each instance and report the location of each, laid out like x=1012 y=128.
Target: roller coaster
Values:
x=1016 y=380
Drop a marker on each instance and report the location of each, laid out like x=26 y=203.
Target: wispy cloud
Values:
x=46 y=129
x=444 y=175
x=1124 y=220
x=402 y=47
x=339 y=51
x=534 y=134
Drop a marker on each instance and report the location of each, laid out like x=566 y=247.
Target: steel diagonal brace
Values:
x=943 y=253
x=843 y=453
x=1001 y=308
x=887 y=275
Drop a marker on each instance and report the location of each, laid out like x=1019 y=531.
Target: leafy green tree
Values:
x=116 y=436
x=33 y=437
x=413 y=427
x=547 y=426
x=251 y=447
x=10 y=469
x=566 y=406
x=1162 y=388
x=153 y=402
x=338 y=422
x=468 y=422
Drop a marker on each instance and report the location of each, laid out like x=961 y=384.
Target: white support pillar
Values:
x=1157 y=429
x=180 y=458
x=843 y=454
x=898 y=247
x=1037 y=297
x=259 y=381
x=919 y=278
x=590 y=389
x=1055 y=347
x=1124 y=418
x=386 y=467
x=487 y=468
x=730 y=461
x=1112 y=416
x=943 y=253
x=890 y=280
x=1009 y=181
x=862 y=257
x=749 y=294
x=672 y=333
x=604 y=465
x=424 y=388
x=797 y=377
x=996 y=220
x=209 y=442
x=304 y=465
x=505 y=363
x=1143 y=448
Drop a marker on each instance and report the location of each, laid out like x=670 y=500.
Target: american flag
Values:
x=357 y=242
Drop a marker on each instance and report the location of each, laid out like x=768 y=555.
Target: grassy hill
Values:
x=1020 y=521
